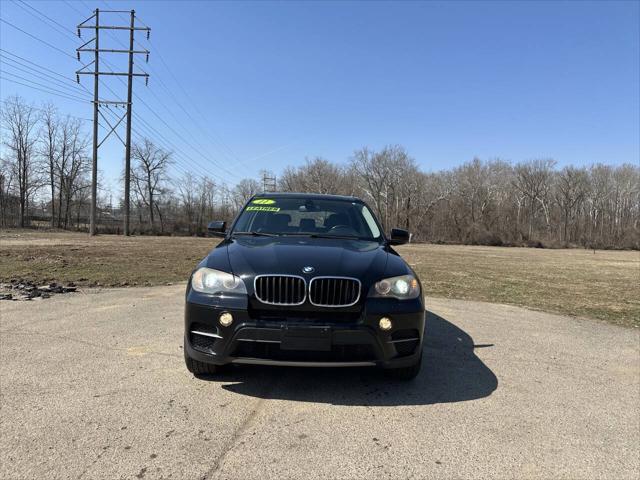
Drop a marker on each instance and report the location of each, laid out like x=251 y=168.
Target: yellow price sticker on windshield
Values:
x=263 y=201
x=262 y=209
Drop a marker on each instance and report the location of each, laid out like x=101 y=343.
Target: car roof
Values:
x=314 y=196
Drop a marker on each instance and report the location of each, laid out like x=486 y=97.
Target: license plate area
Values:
x=306 y=338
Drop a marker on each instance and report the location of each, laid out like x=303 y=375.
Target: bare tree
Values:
x=73 y=179
x=149 y=173
x=71 y=166
x=532 y=179
x=20 y=120
x=206 y=198
x=187 y=190
x=49 y=151
x=65 y=140
x=383 y=178
x=570 y=190
x=373 y=175
x=477 y=187
x=430 y=191
x=6 y=187
x=244 y=190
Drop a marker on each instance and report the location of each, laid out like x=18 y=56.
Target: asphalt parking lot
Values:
x=93 y=385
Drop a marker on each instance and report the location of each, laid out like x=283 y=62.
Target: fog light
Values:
x=226 y=319
x=385 y=323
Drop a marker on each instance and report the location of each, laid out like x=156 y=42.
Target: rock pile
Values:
x=26 y=290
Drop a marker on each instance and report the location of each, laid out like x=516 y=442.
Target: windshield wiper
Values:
x=256 y=234
x=342 y=237
x=301 y=234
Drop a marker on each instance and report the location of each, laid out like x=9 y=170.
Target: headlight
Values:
x=208 y=280
x=403 y=287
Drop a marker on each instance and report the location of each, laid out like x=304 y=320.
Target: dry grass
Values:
x=105 y=260
x=604 y=285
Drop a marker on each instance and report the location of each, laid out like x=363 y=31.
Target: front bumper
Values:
x=292 y=338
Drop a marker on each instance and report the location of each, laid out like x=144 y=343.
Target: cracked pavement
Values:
x=93 y=385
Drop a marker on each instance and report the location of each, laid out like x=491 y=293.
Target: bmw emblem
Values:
x=308 y=269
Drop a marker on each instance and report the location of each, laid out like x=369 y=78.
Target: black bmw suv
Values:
x=304 y=280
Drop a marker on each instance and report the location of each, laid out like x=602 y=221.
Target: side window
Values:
x=371 y=223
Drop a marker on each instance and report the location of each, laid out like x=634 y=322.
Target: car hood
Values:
x=250 y=256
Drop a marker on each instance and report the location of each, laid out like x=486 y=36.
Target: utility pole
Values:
x=268 y=182
x=94 y=164
x=127 y=157
x=97 y=102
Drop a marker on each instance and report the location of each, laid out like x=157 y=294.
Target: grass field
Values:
x=603 y=285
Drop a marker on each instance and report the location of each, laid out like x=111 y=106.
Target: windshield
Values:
x=308 y=217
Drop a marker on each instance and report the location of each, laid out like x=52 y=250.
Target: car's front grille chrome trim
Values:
x=281 y=290
x=334 y=292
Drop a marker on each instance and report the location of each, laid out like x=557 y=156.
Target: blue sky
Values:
x=247 y=85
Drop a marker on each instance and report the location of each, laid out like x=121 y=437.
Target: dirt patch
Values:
x=102 y=261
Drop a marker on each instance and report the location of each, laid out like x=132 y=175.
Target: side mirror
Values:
x=399 y=236
x=217 y=228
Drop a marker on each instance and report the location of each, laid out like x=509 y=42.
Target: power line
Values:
x=42 y=90
x=198 y=146
x=188 y=97
x=32 y=63
x=188 y=114
x=64 y=27
x=73 y=94
x=207 y=171
x=3 y=53
x=189 y=162
x=185 y=162
x=207 y=133
x=39 y=89
x=179 y=162
x=70 y=5
x=160 y=138
x=64 y=115
x=178 y=135
x=197 y=149
x=39 y=75
x=55 y=25
x=218 y=140
x=37 y=38
x=39 y=66
x=221 y=145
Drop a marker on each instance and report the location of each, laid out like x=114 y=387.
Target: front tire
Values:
x=406 y=373
x=199 y=368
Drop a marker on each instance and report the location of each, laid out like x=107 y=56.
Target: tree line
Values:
x=44 y=179
x=487 y=202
